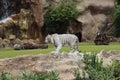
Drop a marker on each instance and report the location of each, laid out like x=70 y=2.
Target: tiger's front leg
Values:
x=73 y=48
x=58 y=48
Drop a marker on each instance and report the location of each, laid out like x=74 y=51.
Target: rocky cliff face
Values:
x=8 y=7
x=95 y=13
x=34 y=20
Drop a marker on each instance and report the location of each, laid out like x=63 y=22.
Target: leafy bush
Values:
x=7 y=76
x=77 y=75
x=116 y=20
x=96 y=71
x=116 y=70
x=92 y=60
x=53 y=75
x=34 y=76
x=58 y=16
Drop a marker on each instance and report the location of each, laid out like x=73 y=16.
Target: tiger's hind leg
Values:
x=76 y=48
x=58 y=48
x=72 y=48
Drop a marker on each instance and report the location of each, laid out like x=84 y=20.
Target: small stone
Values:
x=11 y=37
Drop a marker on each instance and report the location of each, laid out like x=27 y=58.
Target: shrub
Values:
x=7 y=76
x=53 y=75
x=77 y=75
x=58 y=16
x=116 y=20
x=96 y=71
x=116 y=70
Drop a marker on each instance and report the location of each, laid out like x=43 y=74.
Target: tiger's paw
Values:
x=54 y=53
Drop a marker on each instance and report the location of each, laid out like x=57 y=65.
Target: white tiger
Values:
x=60 y=40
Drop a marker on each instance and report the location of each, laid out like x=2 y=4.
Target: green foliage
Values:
x=116 y=20
x=7 y=76
x=96 y=71
x=34 y=76
x=92 y=60
x=58 y=16
x=4 y=76
x=77 y=75
x=116 y=70
x=53 y=75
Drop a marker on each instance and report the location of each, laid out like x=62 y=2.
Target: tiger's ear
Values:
x=54 y=34
x=48 y=35
x=50 y=38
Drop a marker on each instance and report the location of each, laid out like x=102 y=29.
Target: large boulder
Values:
x=63 y=63
x=109 y=57
x=95 y=13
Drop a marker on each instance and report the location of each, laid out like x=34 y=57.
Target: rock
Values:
x=2 y=45
x=1 y=31
x=18 y=41
x=103 y=54
x=12 y=37
x=95 y=13
x=18 y=47
x=15 y=41
x=43 y=63
x=36 y=41
x=5 y=43
x=113 y=53
x=102 y=39
x=12 y=40
x=108 y=57
x=0 y=39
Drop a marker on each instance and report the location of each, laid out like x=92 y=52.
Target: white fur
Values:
x=62 y=40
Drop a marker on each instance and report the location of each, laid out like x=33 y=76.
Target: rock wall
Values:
x=95 y=13
x=33 y=22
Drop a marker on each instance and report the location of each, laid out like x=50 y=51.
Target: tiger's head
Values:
x=48 y=39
